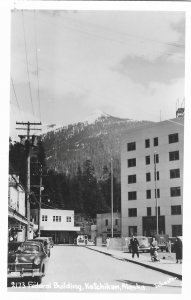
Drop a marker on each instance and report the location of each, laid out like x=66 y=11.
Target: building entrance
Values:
x=150 y=228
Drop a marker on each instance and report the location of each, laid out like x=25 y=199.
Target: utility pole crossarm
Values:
x=28 y=123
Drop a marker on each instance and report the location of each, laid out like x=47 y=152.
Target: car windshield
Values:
x=13 y=247
x=30 y=248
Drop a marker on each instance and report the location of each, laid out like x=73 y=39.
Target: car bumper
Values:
x=24 y=273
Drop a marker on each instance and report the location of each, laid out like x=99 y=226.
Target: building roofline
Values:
x=177 y=121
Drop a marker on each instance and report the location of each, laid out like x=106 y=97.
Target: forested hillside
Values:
x=68 y=147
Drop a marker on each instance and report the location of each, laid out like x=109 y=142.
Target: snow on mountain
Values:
x=97 y=114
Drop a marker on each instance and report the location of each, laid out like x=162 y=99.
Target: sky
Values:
x=69 y=65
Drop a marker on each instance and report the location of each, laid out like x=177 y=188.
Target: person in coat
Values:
x=134 y=246
x=178 y=249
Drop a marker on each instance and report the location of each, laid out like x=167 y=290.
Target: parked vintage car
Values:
x=162 y=240
x=28 y=260
x=46 y=243
x=144 y=245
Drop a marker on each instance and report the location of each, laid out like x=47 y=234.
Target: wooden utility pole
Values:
x=40 y=201
x=28 y=145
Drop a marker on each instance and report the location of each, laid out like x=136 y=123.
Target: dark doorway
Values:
x=150 y=228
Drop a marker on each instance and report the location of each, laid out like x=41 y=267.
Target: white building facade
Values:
x=152 y=176
x=57 y=223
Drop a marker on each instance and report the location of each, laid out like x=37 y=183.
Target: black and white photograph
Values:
x=96 y=150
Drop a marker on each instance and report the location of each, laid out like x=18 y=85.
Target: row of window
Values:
x=174 y=192
x=172 y=138
x=174 y=173
x=55 y=218
x=173 y=155
x=175 y=210
x=116 y=222
x=176 y=230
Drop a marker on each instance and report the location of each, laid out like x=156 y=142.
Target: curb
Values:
x=139 y=263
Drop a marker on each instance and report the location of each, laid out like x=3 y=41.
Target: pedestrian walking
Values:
x=107 y=242
x=134 y=246
x=154 y=248
x=178 y=249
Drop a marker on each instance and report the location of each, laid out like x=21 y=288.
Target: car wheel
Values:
x=43 y=270
x=38 y=280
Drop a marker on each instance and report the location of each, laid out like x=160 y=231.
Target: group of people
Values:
x=177 y=247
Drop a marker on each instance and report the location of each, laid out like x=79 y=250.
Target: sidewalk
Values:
x=167 y=265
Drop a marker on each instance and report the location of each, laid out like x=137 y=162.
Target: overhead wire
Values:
x=81 y=30
x=15 y=95
x=123 y=33
x=30 y=92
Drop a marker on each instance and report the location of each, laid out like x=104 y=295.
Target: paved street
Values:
x=78 y=269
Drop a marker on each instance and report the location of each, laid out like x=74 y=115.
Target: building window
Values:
x=59 y=218
x=53 y=218
x=116 y=222
x=176 y=210
x=106 y=222
x=131 y=146
x=157 y=193
x=148 y=194
x=156 y=175
x=44 y=218
x=156 y=158
x=174 y=155
x=132 y=178
x=132 y=230
x=149 y=211
x=147 y=160
x=56 y=218
x=132 y=195
x=158 y=210
x=176 y=230
x=148 y=176
x=175 y=191
x=174 y=173
x=155 y=141
x=131 y=162
x=132 y=212
x=147 y=143
x=68 y=219
x=173 y=138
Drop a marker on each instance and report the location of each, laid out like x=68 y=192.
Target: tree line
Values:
x=82 y=192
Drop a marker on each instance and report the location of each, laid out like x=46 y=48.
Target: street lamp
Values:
x=156 y=198
x=111 y=197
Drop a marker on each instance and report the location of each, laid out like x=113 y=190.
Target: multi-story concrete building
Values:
x=103 y=225
x=152 y=176
x=56 y=223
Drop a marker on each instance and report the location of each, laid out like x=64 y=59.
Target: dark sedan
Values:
x=46 y=243
x=27 y=261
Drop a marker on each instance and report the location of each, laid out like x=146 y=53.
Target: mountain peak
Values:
x=96 y=115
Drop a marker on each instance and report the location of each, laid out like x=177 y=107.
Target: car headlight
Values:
x=37 y=261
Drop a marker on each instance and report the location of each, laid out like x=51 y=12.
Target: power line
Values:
x=122 y=41
x=35 y=31
x=15 y=94
x=123 y=33
x=27 y=64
